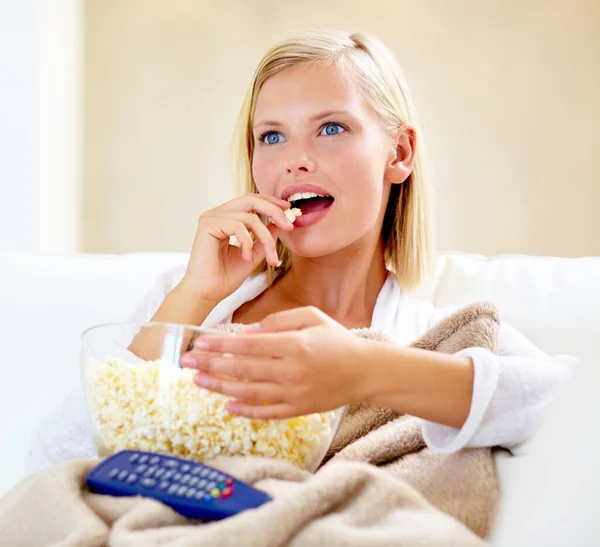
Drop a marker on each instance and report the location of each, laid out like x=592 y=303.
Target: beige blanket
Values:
x=379 y=485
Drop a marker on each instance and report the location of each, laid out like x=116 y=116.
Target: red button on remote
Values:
x=228 y=481
x=227 y=492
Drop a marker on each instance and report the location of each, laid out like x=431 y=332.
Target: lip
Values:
x=294 y=188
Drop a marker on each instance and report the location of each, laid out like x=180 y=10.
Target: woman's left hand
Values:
x=292 y=363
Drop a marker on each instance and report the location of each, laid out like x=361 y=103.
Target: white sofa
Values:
x=47 y=301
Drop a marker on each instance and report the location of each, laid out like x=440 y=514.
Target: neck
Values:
x=344 y=285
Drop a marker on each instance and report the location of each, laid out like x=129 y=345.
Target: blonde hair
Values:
x=407 y=227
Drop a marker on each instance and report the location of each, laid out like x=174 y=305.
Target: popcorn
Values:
x=234 y=241
x=157 y=407
x=291 y=215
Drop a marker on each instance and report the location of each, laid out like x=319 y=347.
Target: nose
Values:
x=300 y=161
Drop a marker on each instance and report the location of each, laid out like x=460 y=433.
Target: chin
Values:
x=312 y=247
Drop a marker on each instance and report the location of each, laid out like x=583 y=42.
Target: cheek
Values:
x=264 y=171
x=359 y=170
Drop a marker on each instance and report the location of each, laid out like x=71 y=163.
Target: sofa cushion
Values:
x=552 y=301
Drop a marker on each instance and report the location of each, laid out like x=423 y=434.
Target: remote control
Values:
x=193 y=489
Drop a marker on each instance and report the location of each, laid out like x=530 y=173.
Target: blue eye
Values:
x=332 y=129
x=271 y=137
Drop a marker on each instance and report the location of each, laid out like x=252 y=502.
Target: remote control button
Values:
x=122 y=474
x=186 y=478
x=159 y=473
x=215 y=492
x=173 y=464
x=212 y=475
x=132 y=478
x=173 y=488
x=228 y=481
x=147 y=482
x=220 y=477
x=113 y=473
x=190 y=493
x=151 y=471
x=143 y=458
x=164 y=485
x=185 y=468
x=208 y=497
x=194 y=481
x=177 y=476
x=221 y=486
x=205 y=472
x=196 y=471
x=182 y=490
x=134 y=458
x=141 y=468
x=168 y=475
x=211 y=485
x=199 y=495
x=155 y=460
x=202 y=483
x=226 y=493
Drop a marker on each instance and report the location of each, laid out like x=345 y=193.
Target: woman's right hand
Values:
x=216 y=268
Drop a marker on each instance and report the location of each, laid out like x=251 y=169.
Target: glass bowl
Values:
x=147 y=401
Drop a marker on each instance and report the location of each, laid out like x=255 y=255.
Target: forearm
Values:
x=179 y=306
x=435 y=386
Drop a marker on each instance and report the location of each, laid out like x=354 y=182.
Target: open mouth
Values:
x=309 y=202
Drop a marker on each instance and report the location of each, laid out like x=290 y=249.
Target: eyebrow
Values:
x=315 y=118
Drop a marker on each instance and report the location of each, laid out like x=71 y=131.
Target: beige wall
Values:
x=508 y=92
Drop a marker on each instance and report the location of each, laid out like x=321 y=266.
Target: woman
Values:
x=328 y=127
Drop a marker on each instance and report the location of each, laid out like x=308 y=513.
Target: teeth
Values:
x=304 y=195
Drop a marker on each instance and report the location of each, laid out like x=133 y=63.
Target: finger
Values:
x=243 y=236
x=284 y=203
x=272 y=345
x=264 y=236
x=276 y=411
x=289 y=320
x=260 y=231
x=236 y=231
x=268 y=197
x=258 y=250
x=236 y=366
x=269 y=206
x=259 y=392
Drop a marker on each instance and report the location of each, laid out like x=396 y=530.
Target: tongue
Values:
x=315 y=204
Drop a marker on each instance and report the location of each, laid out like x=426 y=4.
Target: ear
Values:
x=402 y=156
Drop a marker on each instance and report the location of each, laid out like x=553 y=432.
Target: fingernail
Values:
x=201 y=343
x=233 y=408
x=188 y=361
x=202 y=381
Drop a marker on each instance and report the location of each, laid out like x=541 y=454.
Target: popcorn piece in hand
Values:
x=291 y=215
x=234 y=241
